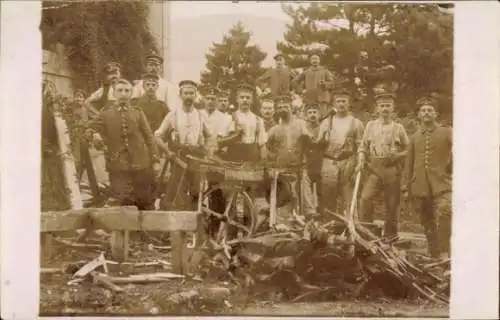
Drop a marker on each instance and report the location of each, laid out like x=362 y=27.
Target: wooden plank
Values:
x=69 y=168
x=53 y=221
x=130 y=218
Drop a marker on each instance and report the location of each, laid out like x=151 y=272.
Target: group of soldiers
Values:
x=322 y=137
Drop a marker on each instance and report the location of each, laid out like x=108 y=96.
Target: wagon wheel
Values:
x=236 y=219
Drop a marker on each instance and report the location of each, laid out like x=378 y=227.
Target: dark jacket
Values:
x=428 y=163
x=311 y=80
x=154 y=109
x=279 y=81
x=130 y=142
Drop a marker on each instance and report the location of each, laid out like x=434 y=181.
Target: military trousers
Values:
x=435 y=216
x=386 y=180
x=132 y=187
x=336 y=185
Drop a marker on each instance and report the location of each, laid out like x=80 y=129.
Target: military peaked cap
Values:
x=80 y=92
x=210 y=91
x=388 y=95
x=285 y=98
x=154 y=58
x=223 y=93
x=427 y=101
x=188 y=83
x=267 y=97
x=246 y=87
x=112 y=66
x=277 y=56
x=341 y=92
x=150 y=77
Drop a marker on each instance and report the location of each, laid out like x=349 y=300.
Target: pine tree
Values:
x=403 y=47
x=233 y=61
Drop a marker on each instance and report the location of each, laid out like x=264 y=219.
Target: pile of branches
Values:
x=315 y=262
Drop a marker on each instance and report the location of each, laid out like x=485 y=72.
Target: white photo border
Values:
x=476 y=159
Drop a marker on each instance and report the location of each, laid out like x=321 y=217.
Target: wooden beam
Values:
x=131 y=219
x=54 y=221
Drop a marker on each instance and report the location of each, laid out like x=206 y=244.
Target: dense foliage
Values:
x=408 y=48
x=233 y=61
x=94 y=33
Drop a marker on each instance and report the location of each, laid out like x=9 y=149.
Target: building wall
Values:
x=158 y=22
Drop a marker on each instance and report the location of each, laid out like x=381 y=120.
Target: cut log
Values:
x=139 y=279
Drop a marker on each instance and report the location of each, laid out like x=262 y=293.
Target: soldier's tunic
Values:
x=428 y=178
x=379 y=141
x=278 y=80
x=154 y=109
x=130 y=150
x=314 y=92
x=342 y=135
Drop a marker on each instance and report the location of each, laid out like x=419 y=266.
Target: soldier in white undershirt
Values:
x=342 y=133
x=184 y=131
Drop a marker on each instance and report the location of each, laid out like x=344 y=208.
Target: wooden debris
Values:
x=139 y=278
x=78 y=245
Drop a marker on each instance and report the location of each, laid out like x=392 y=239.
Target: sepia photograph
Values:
x=246 y=159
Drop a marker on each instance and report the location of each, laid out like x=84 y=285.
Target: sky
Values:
x=187 y=9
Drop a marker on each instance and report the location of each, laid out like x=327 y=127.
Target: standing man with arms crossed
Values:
x=427 y=177
x=381 y=156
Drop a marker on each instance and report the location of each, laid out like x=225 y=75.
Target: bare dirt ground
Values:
x=212 y=295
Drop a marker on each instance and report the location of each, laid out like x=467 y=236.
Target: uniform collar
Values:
x=428 y=129
x=122 y=107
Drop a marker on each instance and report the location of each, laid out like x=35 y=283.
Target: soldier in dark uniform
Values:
x=427 y=177
x=130 y=150
x=76 y=116
x=154 y=109
x=278 y=79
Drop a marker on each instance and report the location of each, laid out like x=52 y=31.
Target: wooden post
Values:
x=89 y=169
x=273 y=204
x=119 y=245
x=178 y=241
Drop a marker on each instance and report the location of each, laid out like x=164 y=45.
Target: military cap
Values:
x=223 y=93
x=188 y=83
x=388 y=95
x=154 y=58
x=267 y=97
x=429 y=101
x=285 y=98
x=80 y=92
x=150 y=77
x=210 y=91
x=341 y=92
x=112 y=66
x=245 y=87
x=311 y=106
x=277 y=56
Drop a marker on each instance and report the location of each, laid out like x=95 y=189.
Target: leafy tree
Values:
x=94 y=33
x=233 y=61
